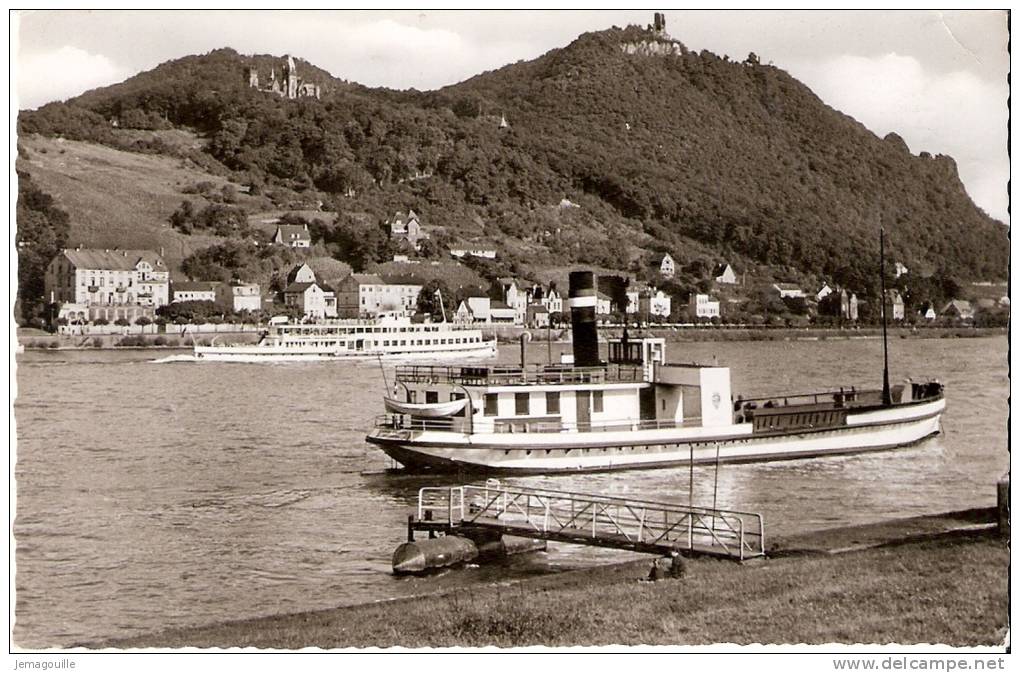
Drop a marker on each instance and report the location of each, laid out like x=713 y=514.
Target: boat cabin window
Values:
x=596 y=401
x=431 y=397
x=522 y=403
x=491 y=404
x=552 y=403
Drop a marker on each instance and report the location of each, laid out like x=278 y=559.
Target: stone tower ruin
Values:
x=659 y=23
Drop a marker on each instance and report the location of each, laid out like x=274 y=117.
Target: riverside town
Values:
x=430 y=330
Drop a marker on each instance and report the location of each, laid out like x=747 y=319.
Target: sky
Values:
x=937 y=78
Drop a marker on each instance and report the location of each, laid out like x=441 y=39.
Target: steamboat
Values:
x=635 y=410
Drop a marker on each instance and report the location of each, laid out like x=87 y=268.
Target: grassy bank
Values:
x=934 y=587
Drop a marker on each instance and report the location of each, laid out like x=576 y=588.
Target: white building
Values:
x=362 y=295
x=480 y=308
x=655 y=302
x=725 y=275
x=553 y=301
x=314 y=300
x=463 y=249
x=292 y=235
x=502 y=314
x=194 y=291
x=824 y=292
x=90 y=283
x=666 y=264
x=515 y=295
x=703 y=306
x=787 y=290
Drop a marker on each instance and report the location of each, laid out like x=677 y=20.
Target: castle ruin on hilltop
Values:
x=661 y=43
x=290 y=85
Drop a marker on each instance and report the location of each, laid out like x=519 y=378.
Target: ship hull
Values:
x=871 y=430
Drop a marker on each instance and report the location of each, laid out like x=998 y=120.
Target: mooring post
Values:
x=410 y=527
x=1002 y=491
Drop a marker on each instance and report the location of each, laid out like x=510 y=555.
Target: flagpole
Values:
x=886 y=396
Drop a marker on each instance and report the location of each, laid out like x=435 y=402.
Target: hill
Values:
x=657 y=149
x=116 y=198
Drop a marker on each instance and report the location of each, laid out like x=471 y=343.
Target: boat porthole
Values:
x=528 y=452
x=548 y=451
x=507 y=452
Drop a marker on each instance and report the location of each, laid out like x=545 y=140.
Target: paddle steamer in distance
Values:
x=389 y=336
x=634 y=411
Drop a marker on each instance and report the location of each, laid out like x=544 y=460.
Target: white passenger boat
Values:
x=390 y=336
x=636 y=410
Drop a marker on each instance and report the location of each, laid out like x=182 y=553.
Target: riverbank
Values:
x=38 y=340
x=690 y=333
x=935 y=579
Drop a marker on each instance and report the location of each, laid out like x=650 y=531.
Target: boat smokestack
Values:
x=582 y=301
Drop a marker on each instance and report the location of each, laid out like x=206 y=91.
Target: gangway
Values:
x=583 y=518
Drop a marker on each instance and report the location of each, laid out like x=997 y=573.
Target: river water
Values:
x=152 y=495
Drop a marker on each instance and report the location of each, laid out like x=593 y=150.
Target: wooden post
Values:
x=410 y=527
x=1002 y=489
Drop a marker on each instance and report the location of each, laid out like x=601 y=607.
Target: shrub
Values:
x=122 y=322
x=96 y=342
x=159 y=341
x=53 y=344
x=173 y=343
x=143 y=320
x=100 y=322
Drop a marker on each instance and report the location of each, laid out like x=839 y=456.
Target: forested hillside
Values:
x=654 y=147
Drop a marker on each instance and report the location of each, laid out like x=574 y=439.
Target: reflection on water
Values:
x=156 y=495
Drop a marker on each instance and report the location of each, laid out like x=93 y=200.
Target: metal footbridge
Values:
x=597 y=520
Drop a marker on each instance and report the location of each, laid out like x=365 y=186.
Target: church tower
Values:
x=290 y=78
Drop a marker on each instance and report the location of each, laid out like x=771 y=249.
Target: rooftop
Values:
x=118 y=260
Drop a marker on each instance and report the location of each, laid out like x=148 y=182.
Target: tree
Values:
x=143 y=320
x=122 y=322
x=42 y=231
x=428 y=301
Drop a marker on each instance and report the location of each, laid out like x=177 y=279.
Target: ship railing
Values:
x=850 y=396
x=459 y=424
x=510 y=376
x=408 y=422
x=623 y=523
x=513 y=426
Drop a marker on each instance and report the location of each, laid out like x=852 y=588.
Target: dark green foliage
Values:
x=428 y=300
x=190 y=312
x=41 y=234
x=216 y=218
x=235 y=259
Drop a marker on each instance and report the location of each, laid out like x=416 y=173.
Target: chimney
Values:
x=582 y=301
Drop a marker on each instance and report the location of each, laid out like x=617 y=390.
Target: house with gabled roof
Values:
x=665 y=264
x=957 y=309
x=292 y=235
x=407 y=226
x=315 y=301
x=724 y=274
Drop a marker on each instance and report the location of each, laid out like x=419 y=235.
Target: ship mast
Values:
x=886 y=397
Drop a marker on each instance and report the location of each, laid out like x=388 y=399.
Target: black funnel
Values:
x=582 y=300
